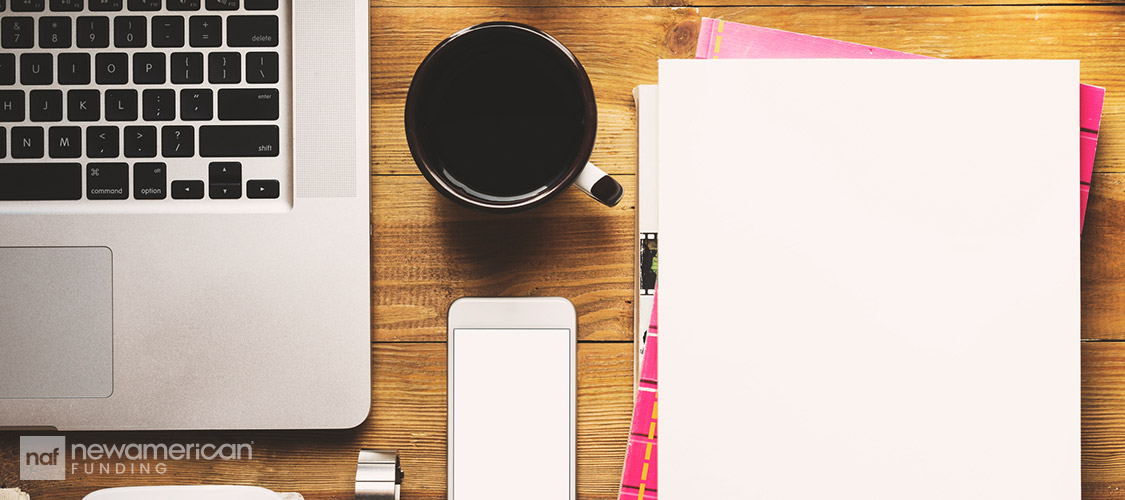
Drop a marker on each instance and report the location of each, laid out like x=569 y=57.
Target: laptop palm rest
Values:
x=56 y=317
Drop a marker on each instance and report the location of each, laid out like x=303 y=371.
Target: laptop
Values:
x=184 y=214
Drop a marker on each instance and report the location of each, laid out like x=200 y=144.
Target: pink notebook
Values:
x=728 y=40
x=638 y=481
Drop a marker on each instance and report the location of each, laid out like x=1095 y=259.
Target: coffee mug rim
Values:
x=450 y=190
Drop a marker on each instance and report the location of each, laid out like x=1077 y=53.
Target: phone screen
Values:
x=511 y=414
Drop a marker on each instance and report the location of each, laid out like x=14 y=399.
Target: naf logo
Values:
x=42 y=458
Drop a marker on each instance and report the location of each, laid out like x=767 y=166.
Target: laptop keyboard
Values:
x=144 y=102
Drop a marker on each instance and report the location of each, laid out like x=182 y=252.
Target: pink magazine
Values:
x=728 y=40
x=638 y=481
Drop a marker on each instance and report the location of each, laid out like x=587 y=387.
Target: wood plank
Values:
x=428 y=252
x=620 y=47
x=1103 y=259
x=562 y=4
x=409 y=410
x=408 y=415
x=1103 y=420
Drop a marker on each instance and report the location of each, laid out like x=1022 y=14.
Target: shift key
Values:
x=223 y=141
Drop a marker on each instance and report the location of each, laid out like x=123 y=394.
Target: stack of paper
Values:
x=705 y=132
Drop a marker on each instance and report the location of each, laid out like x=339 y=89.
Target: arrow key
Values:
x=187 y=190
x=224 y=172
x=263 y=189
x=226 y=191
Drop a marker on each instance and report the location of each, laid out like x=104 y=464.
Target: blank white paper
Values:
x=869 y=280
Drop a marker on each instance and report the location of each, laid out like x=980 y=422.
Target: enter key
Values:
x=248 y=104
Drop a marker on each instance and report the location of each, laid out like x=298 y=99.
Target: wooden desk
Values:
x=428 y=252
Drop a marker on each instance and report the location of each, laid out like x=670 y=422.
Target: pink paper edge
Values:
x=769 y=42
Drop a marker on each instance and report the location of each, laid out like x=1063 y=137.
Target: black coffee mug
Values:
x=501 y=117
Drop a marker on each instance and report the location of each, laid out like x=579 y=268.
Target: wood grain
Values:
x=428 y=252
x=1103 y=420
x=1103 y=259
x=563 y=4
x=620 y=48
x=408 y=414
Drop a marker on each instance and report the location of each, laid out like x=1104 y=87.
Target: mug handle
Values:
x=599 y=185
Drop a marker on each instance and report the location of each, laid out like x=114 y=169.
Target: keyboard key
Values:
x=261 y=5
x=3 y=138
x=7 y=69
x=205 y=31
x=263 y=189
x=187 y=68
x=27 y=5
x=130 y=31
x=224 y=67
x=149 y=69
x=140 y=142
x=66 y=5
x=102 y=142
x=74 y=68
x=93 y=32
x=196 y=104
x=54 y=32
x=105 y=5
x=46 y=106
x=17 y=32
x=167 y=31
x=27 y=142
x=64 y=142
x=262 y=67
x=224 y=180
x=248 y=104
x=252 y=31
x=159 y=105
x=40 y=181
x=222 y=4
x=183 y=4
x=107 y=181
x=239 y=140
x=177 y=142
x=226 y=191
x=111 y=68
x=224 y=172
x=187 y=190
x=121 y=105
x=11 y=105
x=83 y=105
x=150 y=181
x=144 y=5
x=3 y=7
x=36 y=69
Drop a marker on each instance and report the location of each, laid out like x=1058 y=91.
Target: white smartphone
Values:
x=512 y=399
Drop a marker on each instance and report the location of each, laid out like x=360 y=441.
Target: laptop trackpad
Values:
x=56 y=313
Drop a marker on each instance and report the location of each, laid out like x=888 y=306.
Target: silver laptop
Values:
x=184 y=214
